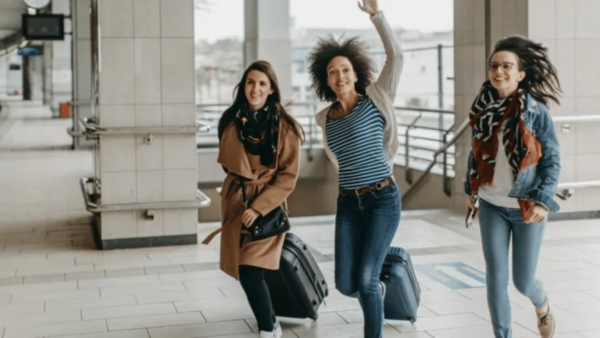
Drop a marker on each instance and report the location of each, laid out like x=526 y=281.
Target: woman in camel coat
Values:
x=259 y=142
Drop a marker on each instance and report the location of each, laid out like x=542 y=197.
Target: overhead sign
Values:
x=455 y=275
x=30 y=50
x=43 y=26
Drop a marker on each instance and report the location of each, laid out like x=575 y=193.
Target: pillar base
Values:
x=140 y=242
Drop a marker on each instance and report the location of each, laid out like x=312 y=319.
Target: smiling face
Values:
x=504 y=73
x=257 y=89
x=341 y=76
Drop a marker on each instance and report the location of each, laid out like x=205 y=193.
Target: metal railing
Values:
x=567 y=189
x=419 y=127
x=90 y=188
x=422 y=139
x=441 y=150
x=422 y=132
x=90 y=128
x=439 y=50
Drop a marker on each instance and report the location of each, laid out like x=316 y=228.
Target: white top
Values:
x=502 y=183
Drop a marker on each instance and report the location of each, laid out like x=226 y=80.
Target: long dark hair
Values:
x=541 y=79
x=240 y=99
x=325 y=50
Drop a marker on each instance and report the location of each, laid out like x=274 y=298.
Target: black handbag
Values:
x=272 y=224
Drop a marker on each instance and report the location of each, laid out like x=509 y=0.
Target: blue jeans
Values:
x=364 y=228
x=497 y=225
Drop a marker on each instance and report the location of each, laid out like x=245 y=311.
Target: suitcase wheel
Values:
x=412 y=320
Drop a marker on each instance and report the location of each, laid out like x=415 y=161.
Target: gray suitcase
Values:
x=298 y=288
x=403 y=293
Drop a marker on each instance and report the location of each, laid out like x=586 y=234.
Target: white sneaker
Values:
x=267 y=334
x=276 y=333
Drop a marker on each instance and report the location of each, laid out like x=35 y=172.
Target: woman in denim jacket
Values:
x=513 y=172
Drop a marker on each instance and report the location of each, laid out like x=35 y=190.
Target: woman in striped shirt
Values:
x=360 y=138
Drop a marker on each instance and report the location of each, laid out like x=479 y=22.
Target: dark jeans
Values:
x=253 y=282
x=364 y=228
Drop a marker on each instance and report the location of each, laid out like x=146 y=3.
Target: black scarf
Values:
x=259 y=131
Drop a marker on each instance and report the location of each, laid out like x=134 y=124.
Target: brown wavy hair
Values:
x=325 y=50
x=240 y=100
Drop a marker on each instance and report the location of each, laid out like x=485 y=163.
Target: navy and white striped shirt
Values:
x=357 y=141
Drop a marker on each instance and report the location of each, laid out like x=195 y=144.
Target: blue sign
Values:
x=455 y=275
x=30 y=50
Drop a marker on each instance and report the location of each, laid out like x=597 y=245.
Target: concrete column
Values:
x=571 y=32
x=61 y=75
x=469 y=74
x=82 y=69
x=147 y=80
x=267 y=37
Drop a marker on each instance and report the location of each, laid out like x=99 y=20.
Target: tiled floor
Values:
x=53 y=283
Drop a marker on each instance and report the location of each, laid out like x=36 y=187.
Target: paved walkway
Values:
x=54 y=283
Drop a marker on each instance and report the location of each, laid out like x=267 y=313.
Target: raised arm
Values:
x=394 y=58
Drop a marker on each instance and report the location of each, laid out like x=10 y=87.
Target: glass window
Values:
x=219 y=34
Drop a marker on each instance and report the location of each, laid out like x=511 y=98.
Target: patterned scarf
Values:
x=259 y=131
x=489 y=115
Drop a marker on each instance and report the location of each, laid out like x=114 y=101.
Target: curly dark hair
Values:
x=541 y=79
x=325 y=50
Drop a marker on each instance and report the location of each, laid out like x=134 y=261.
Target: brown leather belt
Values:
x=364 y=190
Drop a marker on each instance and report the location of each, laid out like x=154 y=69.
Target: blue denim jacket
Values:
x=537 y=183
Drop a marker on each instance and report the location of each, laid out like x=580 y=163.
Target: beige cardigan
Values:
x=382 y=92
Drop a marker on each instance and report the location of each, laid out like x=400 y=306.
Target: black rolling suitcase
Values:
x=403 y=293
x=298 y=288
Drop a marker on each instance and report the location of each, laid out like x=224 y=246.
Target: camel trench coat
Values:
x=266 y=188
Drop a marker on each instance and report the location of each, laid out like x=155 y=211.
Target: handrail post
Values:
x=440 y=88
x=445 y=179
x=408 y=173
x=311 y=125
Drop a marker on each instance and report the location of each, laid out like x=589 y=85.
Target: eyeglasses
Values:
x=506 y=66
